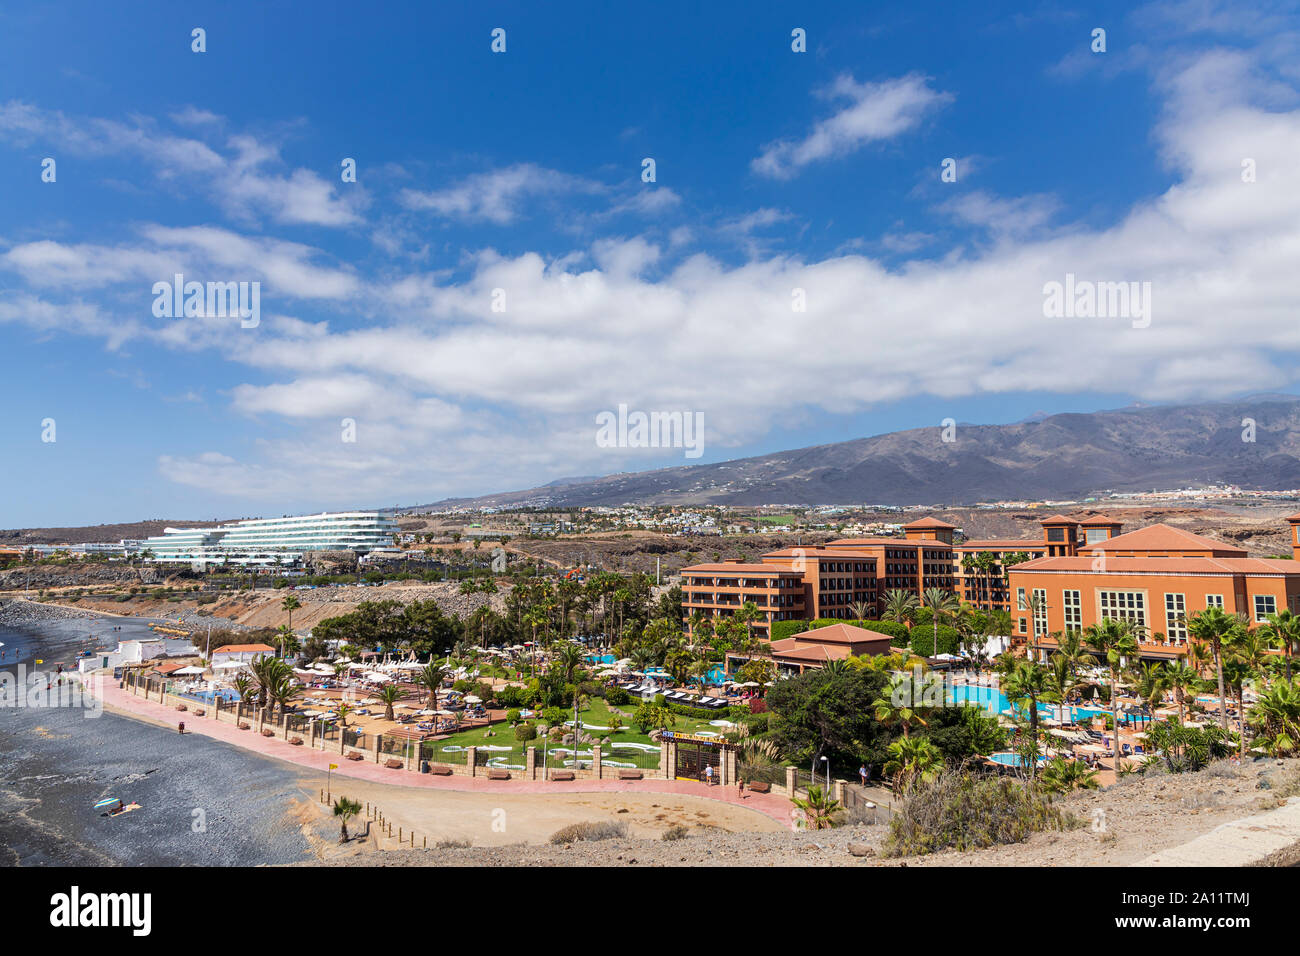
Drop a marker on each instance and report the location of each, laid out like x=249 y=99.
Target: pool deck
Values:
x=123 y=702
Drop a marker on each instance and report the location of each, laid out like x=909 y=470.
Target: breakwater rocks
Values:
x=17 y=613
x=84 y=574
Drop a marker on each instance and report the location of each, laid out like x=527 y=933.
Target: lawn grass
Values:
x=597 y=713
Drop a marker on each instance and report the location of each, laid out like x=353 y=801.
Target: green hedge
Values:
x=899 y=632
x=923 y=640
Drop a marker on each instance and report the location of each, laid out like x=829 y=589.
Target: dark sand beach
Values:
x=202 y=802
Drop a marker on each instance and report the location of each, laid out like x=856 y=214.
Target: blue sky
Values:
x=521 y=171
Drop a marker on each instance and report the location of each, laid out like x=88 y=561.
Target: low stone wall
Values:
x=536 y=767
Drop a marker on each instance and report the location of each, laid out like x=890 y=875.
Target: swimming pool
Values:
x=1013 y=759
x=992 y=699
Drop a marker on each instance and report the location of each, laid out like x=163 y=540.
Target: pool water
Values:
x=992 y=699
x=1013 y=759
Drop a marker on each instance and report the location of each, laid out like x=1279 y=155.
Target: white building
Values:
x=239 y=653
x=271 y=542
x=137 y=652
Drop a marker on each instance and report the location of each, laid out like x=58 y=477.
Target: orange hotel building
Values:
x=827 y=580
x=1083 y=569
x=1156 y=577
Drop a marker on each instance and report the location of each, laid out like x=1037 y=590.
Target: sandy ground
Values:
x=1120 y=826
x=500 y=819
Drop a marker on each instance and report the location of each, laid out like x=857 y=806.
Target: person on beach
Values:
x=180 y=727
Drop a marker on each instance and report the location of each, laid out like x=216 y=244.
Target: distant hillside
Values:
x=1056 y=456
x=19 y=537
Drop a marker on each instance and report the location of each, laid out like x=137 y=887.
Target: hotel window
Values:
x=1020 y=599
x=1123 y=606
x=1073 y=605
x=1040 y=612
x=1213 y=600
x=1175 y=618
x=1093 y=535
x=1265 y=604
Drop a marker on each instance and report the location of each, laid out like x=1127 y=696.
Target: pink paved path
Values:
x=771 y=805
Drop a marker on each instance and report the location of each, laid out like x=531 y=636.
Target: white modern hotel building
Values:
x=267 y=542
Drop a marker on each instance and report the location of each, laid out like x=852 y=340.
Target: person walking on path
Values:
x=862 y=774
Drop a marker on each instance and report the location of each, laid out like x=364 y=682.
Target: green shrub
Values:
x=963 y=812
x=617 y=696
x=525 y=732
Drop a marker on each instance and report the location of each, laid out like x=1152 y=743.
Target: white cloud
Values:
x=875 y=111
x=238 y=178
x=495 y=196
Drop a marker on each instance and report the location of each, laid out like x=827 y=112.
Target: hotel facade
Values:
x=1156 y=577
x=1080 y=572
x=270 y=542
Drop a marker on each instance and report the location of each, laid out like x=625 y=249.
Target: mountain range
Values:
x=1252 y=442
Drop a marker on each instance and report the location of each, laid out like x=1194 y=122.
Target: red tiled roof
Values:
x=880 y=542
x=810 y=652
x=743 y=570
x=984 y=544
x=1059 y=519
x=1100 y=520
x=1164 y=566
x=838 y=634
x=1161 y=537
x=928 y=523
x=243 y=649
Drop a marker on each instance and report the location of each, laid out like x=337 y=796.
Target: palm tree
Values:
x=290 y=604
x=941 y=604
x=569 y=659
x=1028 y=682
x=389 y=695
x=1062 y=681
x=901 y=606
x=1061 y=776
x=1284 y=630
x=1275 y=718
x=1214 y=627
x=1036 y=605
x=345 y=810
x=284 y=693
x=343 y=711
x=1180 y=677
x=818 y=809
x=431 y=678
x=895 y=705
x=861 y=609
x=1113 y=640
x=912 y=759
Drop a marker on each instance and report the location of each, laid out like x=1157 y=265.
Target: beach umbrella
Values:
x=471 y=699
x=108 y=803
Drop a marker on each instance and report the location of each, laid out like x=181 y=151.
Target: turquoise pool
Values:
x=1013 y=759
x=992 y=699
